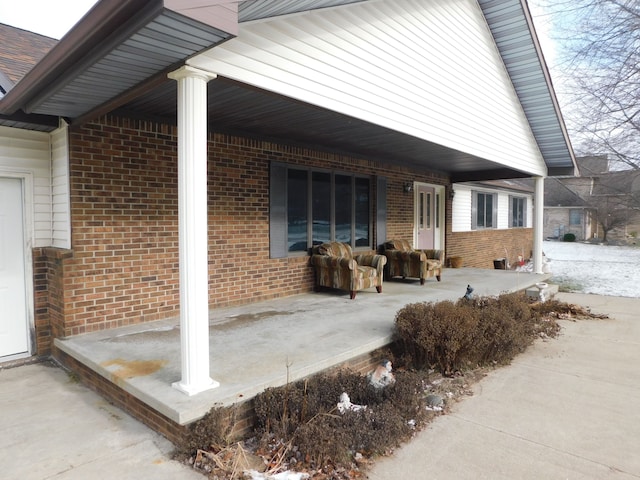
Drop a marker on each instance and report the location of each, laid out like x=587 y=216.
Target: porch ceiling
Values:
x=237 y=108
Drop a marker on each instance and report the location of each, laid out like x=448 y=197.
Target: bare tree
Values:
x=611 y=212
x=614 y=197
x=600 y=55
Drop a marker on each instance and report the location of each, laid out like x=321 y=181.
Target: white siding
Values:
x=461 y=209
x=61 y=223
x=503 y=210
x=27 y=155
x=426 y=68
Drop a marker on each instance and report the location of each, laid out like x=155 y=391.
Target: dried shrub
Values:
x=485 y=330
x=214 y=430
x=436 y=335
x=305 y=414
x=504 y=329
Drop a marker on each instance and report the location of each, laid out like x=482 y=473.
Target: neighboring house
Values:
x=169 y=157
x=20 y=51
x=566 y=212
x=580 y=204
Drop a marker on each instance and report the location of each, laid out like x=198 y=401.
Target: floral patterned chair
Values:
x=403 y=261
x=336 y=267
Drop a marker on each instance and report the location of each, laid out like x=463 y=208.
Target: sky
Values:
x=46 y=17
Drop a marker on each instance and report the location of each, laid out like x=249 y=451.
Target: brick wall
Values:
x=479 y=248
x=124 y=265
x=42 y=335
x=48 y=296
x=244 y=411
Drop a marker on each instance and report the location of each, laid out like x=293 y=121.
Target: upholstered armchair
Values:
x=336 y=267
x=403 y=261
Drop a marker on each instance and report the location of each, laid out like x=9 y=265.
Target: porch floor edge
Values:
x=268 y=344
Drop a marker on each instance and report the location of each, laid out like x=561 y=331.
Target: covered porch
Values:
x=261 y=345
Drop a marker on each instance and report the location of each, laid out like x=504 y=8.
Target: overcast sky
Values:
x=46 y=17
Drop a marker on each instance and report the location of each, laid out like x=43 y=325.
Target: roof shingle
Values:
x=20 y=50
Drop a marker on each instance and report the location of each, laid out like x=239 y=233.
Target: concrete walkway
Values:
x=565 y=409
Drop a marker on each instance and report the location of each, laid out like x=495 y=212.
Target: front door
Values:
x=425 y=216
x=14 y=328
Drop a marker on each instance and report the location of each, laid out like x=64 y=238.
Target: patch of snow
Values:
x=596 y=269
x=254 y=475
x=345 y=405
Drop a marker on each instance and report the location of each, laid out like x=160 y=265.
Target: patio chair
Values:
x=336 y=267
x=406 y=262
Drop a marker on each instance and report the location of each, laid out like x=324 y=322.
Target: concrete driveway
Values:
x=54 y=428
x=565 y=409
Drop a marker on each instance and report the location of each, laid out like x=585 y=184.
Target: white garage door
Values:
x=14 y=329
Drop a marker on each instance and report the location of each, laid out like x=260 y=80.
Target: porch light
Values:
x=407 y=187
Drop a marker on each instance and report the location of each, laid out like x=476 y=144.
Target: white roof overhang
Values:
x=116 y=60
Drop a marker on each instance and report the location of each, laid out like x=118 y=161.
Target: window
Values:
x=321 y=206
x=517 y=212
x=483 y=210
x=575 y=217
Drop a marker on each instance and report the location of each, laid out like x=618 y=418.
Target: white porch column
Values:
x=192 y=221
x=538 y=223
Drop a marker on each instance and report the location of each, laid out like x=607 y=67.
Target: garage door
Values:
x=14 y=328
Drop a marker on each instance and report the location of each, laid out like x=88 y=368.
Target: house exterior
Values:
x=166 y=158
x=572 y=203
x=498 y=215
x=566 y=212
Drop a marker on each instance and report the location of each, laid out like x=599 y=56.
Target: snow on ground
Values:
x=596 y=269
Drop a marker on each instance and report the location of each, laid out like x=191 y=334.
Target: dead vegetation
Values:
x=441 y=351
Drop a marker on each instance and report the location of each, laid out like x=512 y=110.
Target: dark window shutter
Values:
x=278 y=211
x=381 y=210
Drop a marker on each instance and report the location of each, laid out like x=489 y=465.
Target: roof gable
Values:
x=557 y=194
x=430 y=70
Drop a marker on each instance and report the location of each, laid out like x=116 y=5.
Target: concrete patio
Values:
x=266 y=344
